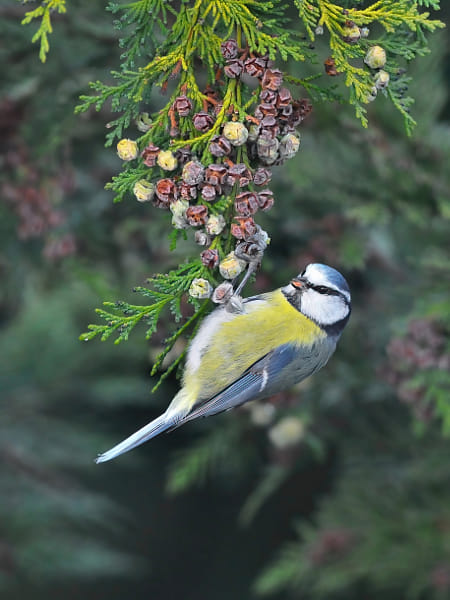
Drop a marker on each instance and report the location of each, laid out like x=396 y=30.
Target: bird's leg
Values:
x=252 y=266
x=235 y=304
x=251 y=251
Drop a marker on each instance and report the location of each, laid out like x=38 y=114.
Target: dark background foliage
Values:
x=360 y=507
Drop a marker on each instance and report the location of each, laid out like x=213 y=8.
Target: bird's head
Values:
x=321 y=294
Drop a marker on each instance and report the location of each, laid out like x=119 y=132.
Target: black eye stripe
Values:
x=326 y=291
x=323 y=289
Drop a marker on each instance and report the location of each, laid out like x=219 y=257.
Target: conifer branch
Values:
x=345 y=27
x=43 y=13
x=207 y=154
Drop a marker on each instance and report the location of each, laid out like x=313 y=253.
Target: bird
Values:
x=251 y=348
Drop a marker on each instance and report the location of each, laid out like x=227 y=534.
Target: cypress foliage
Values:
x=372 y=201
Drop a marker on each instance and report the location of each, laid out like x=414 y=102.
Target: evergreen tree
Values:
x=372 y=202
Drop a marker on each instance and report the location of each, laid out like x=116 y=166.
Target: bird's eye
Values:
x=321 y=289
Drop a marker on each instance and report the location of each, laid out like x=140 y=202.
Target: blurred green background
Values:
x=354 y=500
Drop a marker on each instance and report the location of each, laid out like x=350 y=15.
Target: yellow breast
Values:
x=247 y=337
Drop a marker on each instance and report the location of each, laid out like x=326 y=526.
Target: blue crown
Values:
x=333 y=276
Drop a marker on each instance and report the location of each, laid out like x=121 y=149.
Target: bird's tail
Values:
x=152 y=429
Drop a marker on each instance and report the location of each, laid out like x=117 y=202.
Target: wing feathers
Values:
x=252 y=383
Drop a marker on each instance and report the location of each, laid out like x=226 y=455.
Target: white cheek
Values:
x=325 y=310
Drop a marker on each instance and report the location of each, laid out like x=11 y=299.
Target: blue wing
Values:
x=252 y=384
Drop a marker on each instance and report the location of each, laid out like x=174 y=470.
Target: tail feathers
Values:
x=149 y=431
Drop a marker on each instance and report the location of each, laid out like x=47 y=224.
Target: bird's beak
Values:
x=298 y=282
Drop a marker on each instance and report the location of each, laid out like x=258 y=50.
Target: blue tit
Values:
x=251 y=348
